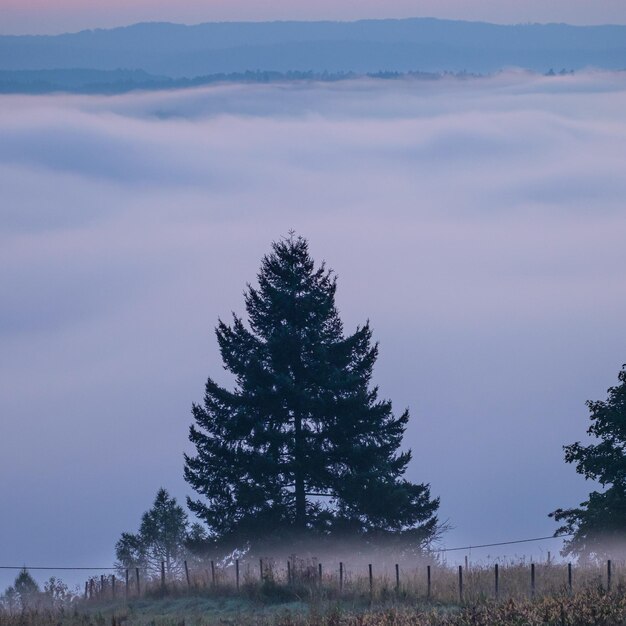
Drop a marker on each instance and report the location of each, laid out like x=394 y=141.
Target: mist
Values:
x=478 y=224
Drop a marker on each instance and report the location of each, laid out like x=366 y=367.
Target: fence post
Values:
x=608 y=575
x=340 y=576
x=113 y=586
x=532 y=581
x=137 y=579
x=261 y=570
x=90 y=588
x=428 y=582
x=371 y=579
x=497 y=580
x=460 y=583
x=319 y=570
x=187 y=575
x=397 y=578
x=237 y=572
x=102 y=585
x=126 y=591
x=288 y=572
x=162 y=574
x=569 y=578
x=213 y=573
x=86 y=589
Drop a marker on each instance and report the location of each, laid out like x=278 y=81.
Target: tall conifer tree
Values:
x=302 y=442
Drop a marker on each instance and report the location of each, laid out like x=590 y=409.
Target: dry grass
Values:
x=305 y=582
x=307 y=600
x=591 y=607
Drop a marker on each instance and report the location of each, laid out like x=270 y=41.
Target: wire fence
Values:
x=434 y=550
x=423 y=577
x=298 y=578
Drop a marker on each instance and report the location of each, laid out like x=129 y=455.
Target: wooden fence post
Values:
x=162 y=574
x=497 y=580
x=137 y=579
x=319 y=571
x=288 y=572
x=608 y=575
x=113 y=586
x=460 y=583
x=371 y=579
x=187 y=574
x=569 y=578
x=397 y=578
x=237 y=572
x=261 y=570
x=428 y=582
x=90 y=588
x=126 y=592
x=340 y=576
x=532 y=581
x=213 y=573
x=102 y=585
x=86 y=589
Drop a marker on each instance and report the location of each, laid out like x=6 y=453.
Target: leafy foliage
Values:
x=303 y=442
x=599 y=523
x=57 y=593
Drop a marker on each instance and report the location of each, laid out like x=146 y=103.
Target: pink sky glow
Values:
x=46 y=16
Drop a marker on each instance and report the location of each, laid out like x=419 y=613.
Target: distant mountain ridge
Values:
x=418 y=44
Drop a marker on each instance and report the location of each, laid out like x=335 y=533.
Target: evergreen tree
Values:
x=599 y=524
x=162 y=537
x=302 y=442
x=26 y=589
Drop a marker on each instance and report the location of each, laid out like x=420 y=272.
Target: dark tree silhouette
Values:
x=599 y=524
x=24 y=593
x=302 y=442
x=164 y=536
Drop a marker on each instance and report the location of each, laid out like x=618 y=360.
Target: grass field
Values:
x=583 y=608
x=309 y=601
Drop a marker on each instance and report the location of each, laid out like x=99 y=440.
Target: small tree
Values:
x=161 y=538
x=9 y=601
x=57 y=594
x=599 y=524
x=25 y=589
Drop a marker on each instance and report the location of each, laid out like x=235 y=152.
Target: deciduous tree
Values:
x=599 y=524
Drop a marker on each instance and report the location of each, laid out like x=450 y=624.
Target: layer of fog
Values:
x=478 y=224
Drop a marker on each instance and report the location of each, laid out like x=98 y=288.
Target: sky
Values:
x=478 y=224
x=57 y=16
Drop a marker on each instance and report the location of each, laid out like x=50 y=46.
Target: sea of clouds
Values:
x=479 y=224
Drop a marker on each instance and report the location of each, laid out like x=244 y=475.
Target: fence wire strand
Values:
x=457 y=549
